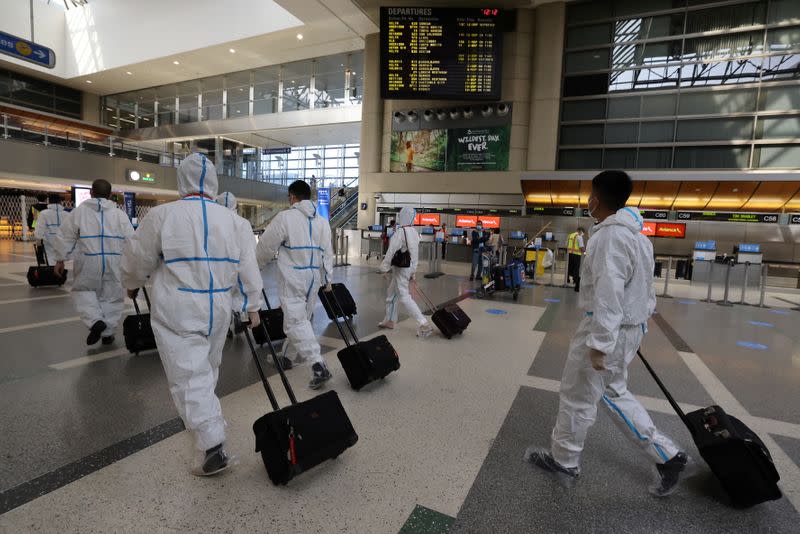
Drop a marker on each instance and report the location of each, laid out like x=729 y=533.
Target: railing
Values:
x=344 y=212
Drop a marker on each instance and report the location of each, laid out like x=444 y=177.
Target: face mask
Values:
x=592 y=209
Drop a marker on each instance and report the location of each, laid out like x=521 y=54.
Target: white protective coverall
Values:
x=405 y=237
x=95 y=233
x=192 y=250
x=240 y=301
x=302 y=241
x=618 y=297
x=47 y=225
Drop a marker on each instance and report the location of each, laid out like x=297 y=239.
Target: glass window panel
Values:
x=329 y=89
x=659 y=53
x=356 y=60
x=784 y=11
x=722 y=73
x=726 y=17
x=191 y=88
x=587 y=11
x=658 y=105
x=648 y=78
x=619 y=158
x=654 y=158
x=296 y=80
x=237 y=79
x=266 y=74
x=778 y=127
x=627 y=132
x=216 y=83
x=623 y=107
x=67 y=107
x=642 y=28
x=715 y=129
x=783 y=39
x=265 y=98
x=584 y=134
x=589 y=35
x=580 y=159
x=781 y=156
x=779 y=98
x=238 y=109
x=581 y=110
x=238 y=94
x=781 y=67
x=656 y=132
x=588 y=84
x=631 y=7
x=587 y=60
x=728 y=45
x=717 y=102
x=712 y=157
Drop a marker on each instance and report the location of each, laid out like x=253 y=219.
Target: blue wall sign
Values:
x=750 y=247
x=130 y=205
x=19 y=48
x=705 y=245
x=323 y=202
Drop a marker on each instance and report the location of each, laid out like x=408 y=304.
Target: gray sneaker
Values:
x=216 y=461
x=669 y=474
x=543 y=459
x=320 y=376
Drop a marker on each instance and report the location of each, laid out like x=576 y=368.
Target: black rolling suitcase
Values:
x=680 y=269
x=347 y=306
x=300 y=436
x=363 y=361
x=41 y=274
x=735 y=454
x=450 y=320
x=137 y=331
x=272 y=318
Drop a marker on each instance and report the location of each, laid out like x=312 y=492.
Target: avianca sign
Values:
x=676 y=230
x=649 y=228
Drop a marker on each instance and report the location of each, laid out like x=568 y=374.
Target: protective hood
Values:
x=406 y=216
x=306 y=207
x=627 y=217
x=228 y=200
x=196 y=174
x=98 y=204
x=55 y=207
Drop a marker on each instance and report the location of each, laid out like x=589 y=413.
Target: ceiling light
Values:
x=735 y=190
x=88 y=81
x=176 y=62
x=341 y=64
x=232 y=50
x=129 y=73
x=299 y=36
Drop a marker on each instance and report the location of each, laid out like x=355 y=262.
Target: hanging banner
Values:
x=323 y=202
x=452 y=150
x=130 y=205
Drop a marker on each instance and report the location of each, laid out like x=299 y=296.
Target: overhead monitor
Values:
x=426 y=219
x=674 y=230
x=489 y=221
x=80 y=194
x=442 y=53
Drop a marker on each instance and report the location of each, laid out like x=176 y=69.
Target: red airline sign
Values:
x=649 y=228
x=489 y=221
x=426 y=219
x=676 y=230
x=466 y=221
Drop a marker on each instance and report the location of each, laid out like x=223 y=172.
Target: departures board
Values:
x=442 y=53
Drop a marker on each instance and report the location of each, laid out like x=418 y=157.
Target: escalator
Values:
x=344 y=214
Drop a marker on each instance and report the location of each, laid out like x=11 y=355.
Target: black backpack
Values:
x=402 y=258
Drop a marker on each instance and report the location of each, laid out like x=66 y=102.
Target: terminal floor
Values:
x=91 y=441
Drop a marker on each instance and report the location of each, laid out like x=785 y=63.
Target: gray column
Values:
x=369 y=160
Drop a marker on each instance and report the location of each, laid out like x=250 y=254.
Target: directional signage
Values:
x=545 y=210
x=19 y=48
x=727 y=216
x=795 y=219
x=654 y=214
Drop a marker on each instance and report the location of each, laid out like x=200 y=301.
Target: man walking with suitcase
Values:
x=96 y=231
x=193 y=252
x=302 y=241
x=47 y=225
x=618 y=299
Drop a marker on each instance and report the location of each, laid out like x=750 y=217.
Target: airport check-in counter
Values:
x=708 y=264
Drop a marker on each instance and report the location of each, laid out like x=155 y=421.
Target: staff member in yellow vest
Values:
x=575 y=248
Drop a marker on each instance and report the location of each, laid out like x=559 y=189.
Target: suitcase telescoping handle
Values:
x=664 y=389
x=337 y=310
x=146 y=298
x=428 y=302
x=272 y=400
x=286 y=385
x=266 y=300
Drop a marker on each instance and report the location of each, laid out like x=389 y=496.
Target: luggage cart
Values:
x=496 y=277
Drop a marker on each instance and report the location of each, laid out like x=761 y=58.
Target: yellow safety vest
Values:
x=572 y=244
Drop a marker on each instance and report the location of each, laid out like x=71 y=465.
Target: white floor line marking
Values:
x=13 y=284
x=26 y=256
x=789 y=471
x=85 y=360
x=29 y=326
x=29 y=299
x=18 y=278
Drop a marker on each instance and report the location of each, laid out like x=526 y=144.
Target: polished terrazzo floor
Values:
x=91 y=441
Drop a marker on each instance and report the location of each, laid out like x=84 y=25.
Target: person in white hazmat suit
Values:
x=193 y=251
x=95 y=233
x=617 y=297
x=302 y=241
x=239 y=299
x=405 y=237
x=47 y=225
